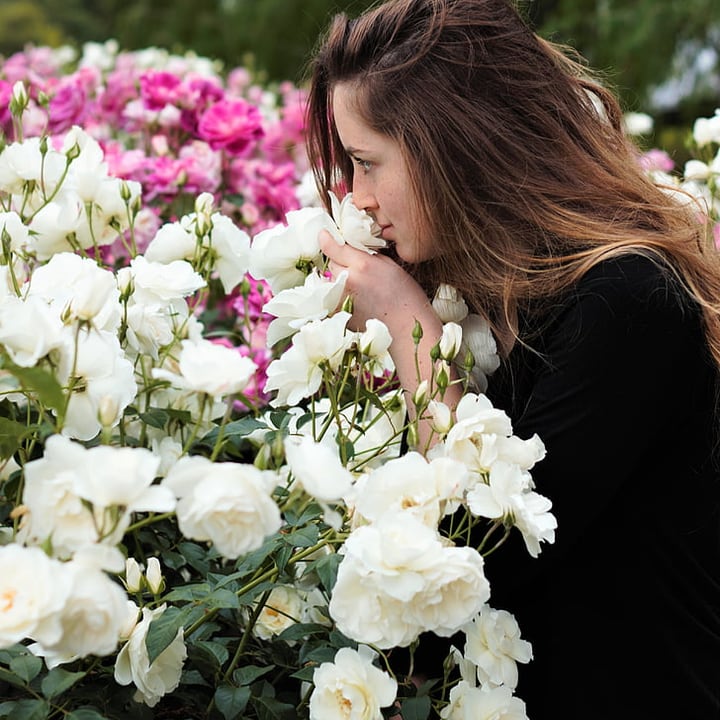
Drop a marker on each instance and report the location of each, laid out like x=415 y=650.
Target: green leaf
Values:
x=326 y=568
x=42 y=382
x=85 y=713
x=300 y=631
x=11 y=433
x=58 y=680
x=215 y=650
x=233 y=430
x=188 y=593
x=304 y=537
x=26 y=666
x=249 y=674
x=155 y=417
x=162 y=631
x=222 y=598
x=415 y=708
x=269 y=707
x=29 y=710
x=231 y=701
x=305 y=673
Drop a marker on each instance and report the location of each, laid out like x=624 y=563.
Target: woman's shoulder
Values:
x=635 y=281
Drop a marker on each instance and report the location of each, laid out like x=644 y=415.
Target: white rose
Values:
x=92 y=617
x=29 y=330
x=284 y=254
x=472 y=703
x=210 y=368
x=283 y=608
x=398 y=579
x=173 y=241
x=351 y=687
x=156 y=679
x=156 y=282
x=354 y=226
x=34 y=590
x=317 y=298
x=231 y=246
x=297 y=374
x=228 y=504
x=494 y=646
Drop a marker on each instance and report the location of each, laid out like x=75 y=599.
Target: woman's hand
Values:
x=381 y=289
x=378 y=286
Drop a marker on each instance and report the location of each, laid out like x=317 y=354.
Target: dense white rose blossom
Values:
x=297 y=373
x=76 y=288
x=408 y=484
x=231 y=248
x=29 y=329
x=92 y=617
x=283 y=608
x=207 y=367
x=34 y=590
x=468 y=702
x=173 y=241
x=477 y=338
x=12 y=226
x=508 y=496
x=398 y=578
x=157 y=282
x=315 y=299
x=94 y=364
x=228 y=504
x=53 y=224
x=482 y=435
x=22 y=162
x=153 y=326
x=493 y=644
x=115 y=482
x=317 y=467
x=450 y=340
x=283 y=255
x=351 y=686
x=156 y=679
x=354 y=226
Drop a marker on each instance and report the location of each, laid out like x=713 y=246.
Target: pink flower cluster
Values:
x=172 y=123
x=179 y=127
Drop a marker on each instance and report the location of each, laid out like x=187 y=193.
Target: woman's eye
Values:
x=365 y=165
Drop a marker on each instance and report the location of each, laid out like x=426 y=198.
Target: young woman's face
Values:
x=381 y=183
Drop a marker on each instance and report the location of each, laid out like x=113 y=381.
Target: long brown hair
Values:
x=521 y=171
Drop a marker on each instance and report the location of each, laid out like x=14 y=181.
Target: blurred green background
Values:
x=660 y=55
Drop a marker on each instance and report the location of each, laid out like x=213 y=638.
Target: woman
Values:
x=494 y=163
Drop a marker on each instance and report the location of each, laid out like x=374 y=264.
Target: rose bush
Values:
x=211 y=501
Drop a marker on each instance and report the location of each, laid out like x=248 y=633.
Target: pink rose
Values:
x=231 y=125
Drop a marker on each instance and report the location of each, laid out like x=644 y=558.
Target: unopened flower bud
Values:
x=107 y=411
x=440 y=417
x=450 y=341
x=19 y=98
x=443 y=377
x=420 y=395
x=153 y=575
x=203 y=214
x=417 y=332
x=133 y=576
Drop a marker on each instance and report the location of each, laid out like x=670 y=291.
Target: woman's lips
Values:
x=383 y=231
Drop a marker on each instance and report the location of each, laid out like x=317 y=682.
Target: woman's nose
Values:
x=362 y=195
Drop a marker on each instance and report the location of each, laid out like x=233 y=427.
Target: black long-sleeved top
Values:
x=623 y=610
